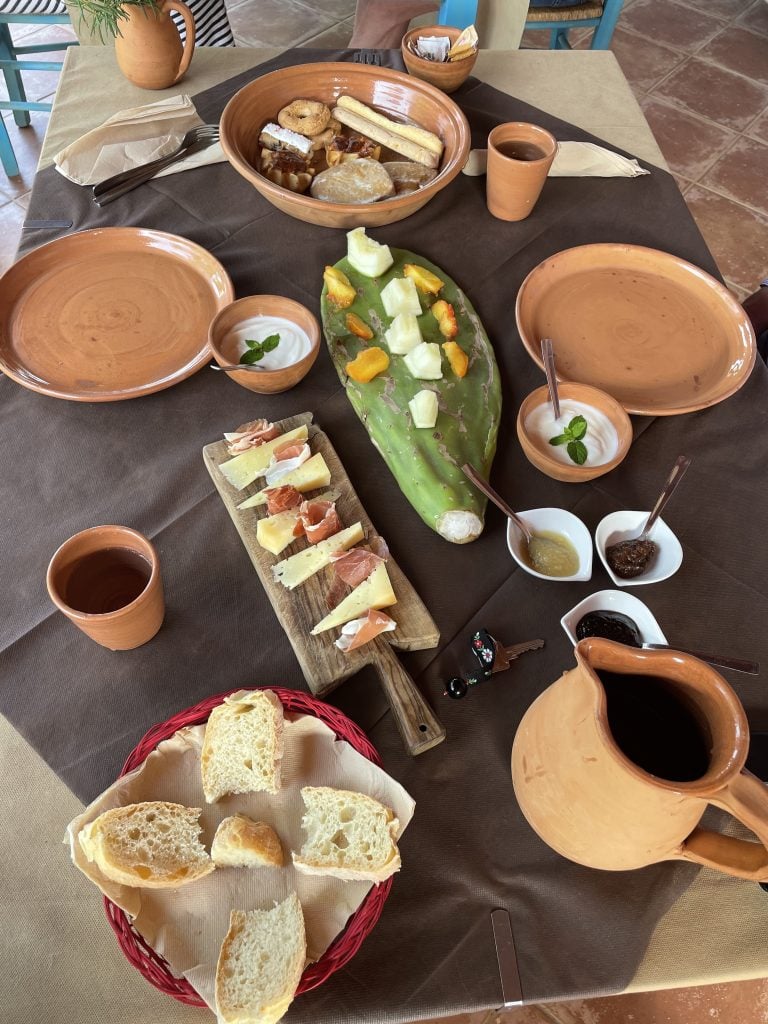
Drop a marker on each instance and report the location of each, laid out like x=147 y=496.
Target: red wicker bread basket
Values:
x=343 y=948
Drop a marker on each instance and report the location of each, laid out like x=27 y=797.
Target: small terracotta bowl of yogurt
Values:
x=259 y=319
x=607 y=438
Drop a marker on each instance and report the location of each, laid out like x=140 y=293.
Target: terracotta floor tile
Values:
x=756 y=17
x=742 y=174
x=737 y=1003
x=737 y=236
x=726 y=9
x=759 y=128
x=739 y=50
x=277 y=23
x=713 y=92
x=740 y=293
x=534 y=39
x=334 y=38
x=643 y=62
x=26 y=143
x=682 y=183
x=38 y=84
x=339 y=10
x=689 y=144
x=670 y=23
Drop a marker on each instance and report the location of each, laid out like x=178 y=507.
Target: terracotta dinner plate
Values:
x=113 y=313
x=659 y=334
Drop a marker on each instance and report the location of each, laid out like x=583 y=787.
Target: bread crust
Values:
x=426 y=139
x=242 y=842
x=386 y=136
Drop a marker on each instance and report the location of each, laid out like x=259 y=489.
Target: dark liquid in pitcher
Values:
x=521 y=151
x=655 y=726
x=106 y=580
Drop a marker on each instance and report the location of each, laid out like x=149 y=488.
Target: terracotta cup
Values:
x=106 y=580
x=519 y=158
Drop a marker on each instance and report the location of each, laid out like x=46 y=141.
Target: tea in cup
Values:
x=519 y=158
x=106 y=580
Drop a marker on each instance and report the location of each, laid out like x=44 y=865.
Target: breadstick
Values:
x=386 y=137
x=408 y=131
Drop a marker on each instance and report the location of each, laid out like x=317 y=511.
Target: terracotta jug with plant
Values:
x=148 y=46
x=616 y=762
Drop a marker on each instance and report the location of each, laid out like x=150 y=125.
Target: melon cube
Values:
x=424 y=361
x=400 y=296
x=404 y=334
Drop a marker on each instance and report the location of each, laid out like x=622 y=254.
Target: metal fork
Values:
x=367 y=57
x=196 y=139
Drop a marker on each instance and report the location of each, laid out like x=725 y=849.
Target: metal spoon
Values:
x=548 y=355
x=633 y=556
x=237 y=366
x=489 y=492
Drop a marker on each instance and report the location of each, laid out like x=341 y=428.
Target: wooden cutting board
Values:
x=323 y=664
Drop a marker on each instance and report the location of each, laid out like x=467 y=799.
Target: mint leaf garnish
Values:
x=577 y=450
x=571 y=436
x=258 y=349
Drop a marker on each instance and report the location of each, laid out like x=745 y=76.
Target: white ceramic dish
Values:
x=556 y=520
x=626 y=525
x=615 y=601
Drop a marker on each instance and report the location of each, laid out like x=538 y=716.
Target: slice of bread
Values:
x=241 y=842
x=243 y=745
x=357 y=181
x=260 y=963
x=152 y=845
x=349 y=835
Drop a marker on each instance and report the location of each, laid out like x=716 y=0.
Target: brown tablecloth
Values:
x=66 y=466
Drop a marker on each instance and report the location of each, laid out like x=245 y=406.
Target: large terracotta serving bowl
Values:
x=656 y=332
x=392 y=93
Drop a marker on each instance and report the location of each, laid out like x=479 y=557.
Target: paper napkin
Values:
x=573 y=160
x=133 y=137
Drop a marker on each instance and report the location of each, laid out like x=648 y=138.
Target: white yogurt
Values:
x=601 y=438
x=294 y=342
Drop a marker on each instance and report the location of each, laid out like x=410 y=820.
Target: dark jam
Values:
x=630 y=558
x=611 y=626
x=656 y=726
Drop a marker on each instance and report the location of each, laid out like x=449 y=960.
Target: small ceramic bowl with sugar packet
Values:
x=627 y=525
x=558 y=527
x=612 y=603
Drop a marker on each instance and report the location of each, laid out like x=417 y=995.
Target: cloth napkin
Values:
x=573 y=160
x=133 y=137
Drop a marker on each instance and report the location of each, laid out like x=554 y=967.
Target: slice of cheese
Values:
x=299 y=567
x=313 y=474
x=275 y=533
x=245 y=468
x=375 y=592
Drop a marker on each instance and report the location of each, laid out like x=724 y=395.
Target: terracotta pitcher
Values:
x=149 y=50
x=615 y=763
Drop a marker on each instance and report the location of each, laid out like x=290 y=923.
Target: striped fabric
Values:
x=32 y=7
x=212 y=26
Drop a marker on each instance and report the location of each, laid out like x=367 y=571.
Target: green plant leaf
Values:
x=577 y=428
x=270 y=343
x=252 y=343
x=577 y=451
x=560 y=439
x=254 y=356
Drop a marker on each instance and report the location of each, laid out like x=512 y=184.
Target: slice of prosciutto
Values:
x=258 y=432
x=361 y=631
x=319 y=520
x=284 y=461
x=280 y=499
x=354 y=566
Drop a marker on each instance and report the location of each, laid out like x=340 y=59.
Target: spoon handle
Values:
x=548 y=355
x=237 y=366
x=497 y=500
x=737 y=664
x=678 y=470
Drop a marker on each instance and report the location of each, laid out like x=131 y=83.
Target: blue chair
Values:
x=13 y=61
x=601 y=15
